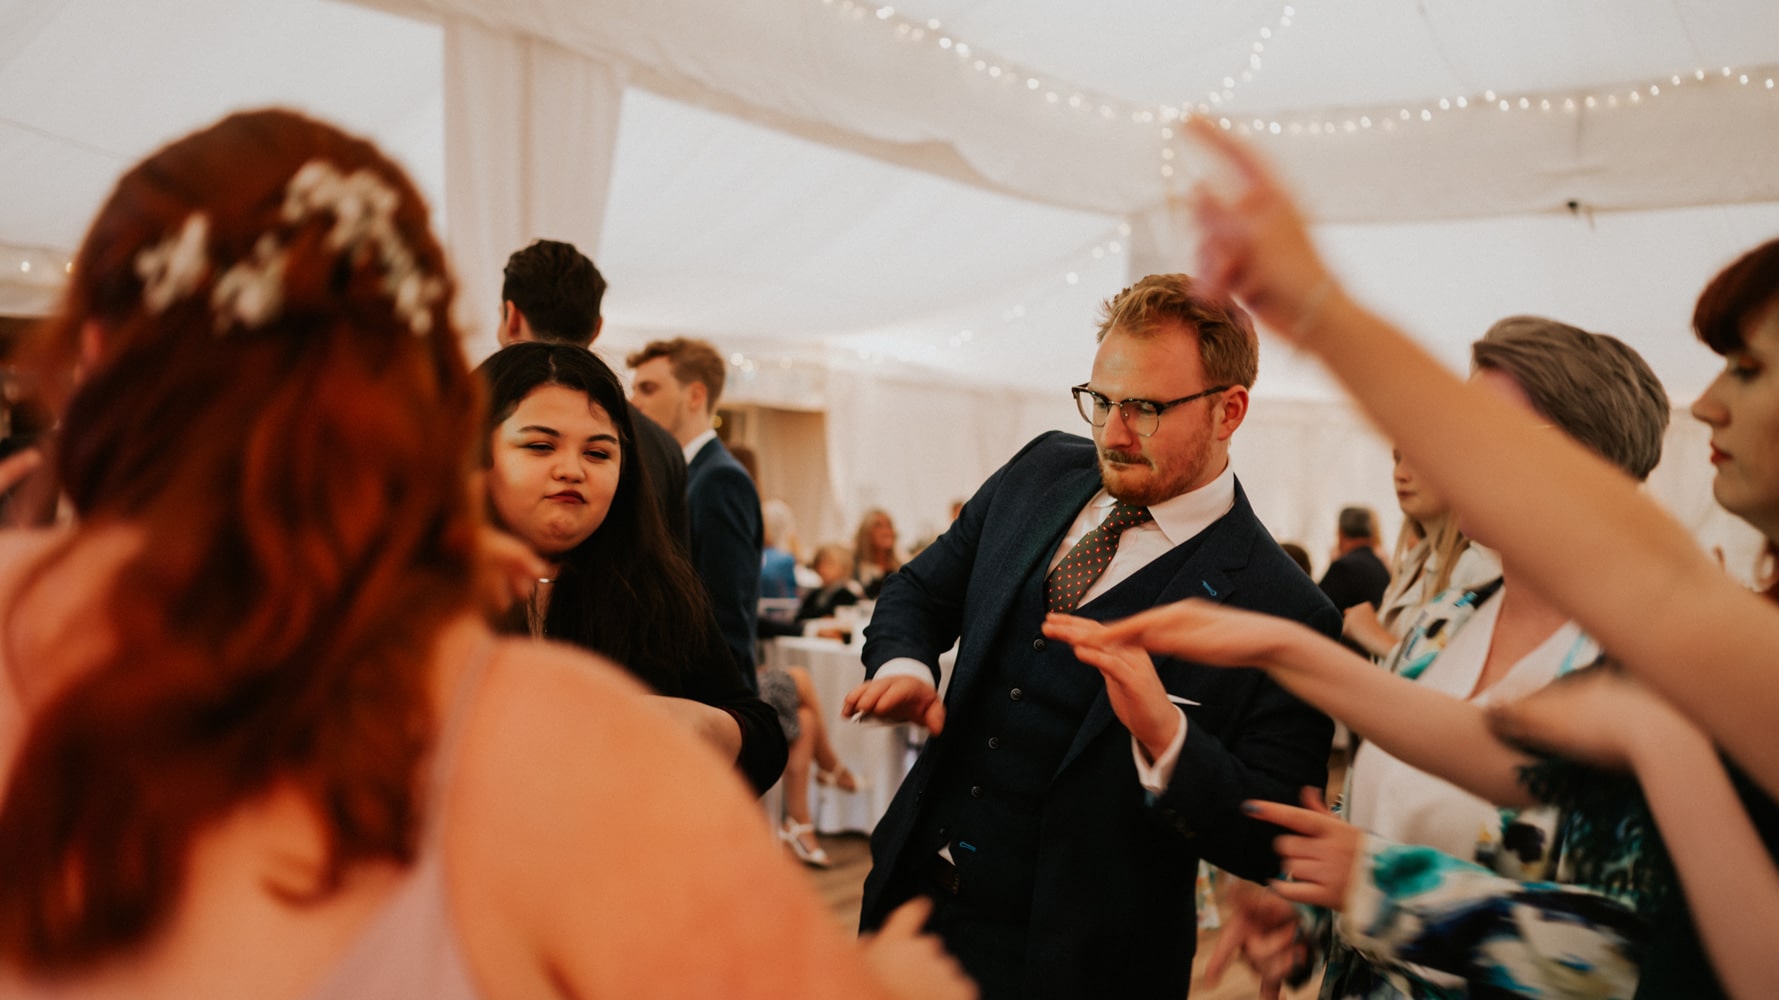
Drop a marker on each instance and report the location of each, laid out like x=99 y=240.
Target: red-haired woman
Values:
x=255 y=738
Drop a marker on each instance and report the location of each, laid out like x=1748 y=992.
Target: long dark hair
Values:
x=626 y=592
x=292 y=462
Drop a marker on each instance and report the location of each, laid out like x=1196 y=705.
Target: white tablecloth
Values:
x=878 y=753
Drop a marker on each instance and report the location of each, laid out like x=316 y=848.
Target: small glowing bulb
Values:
x=1072 y=278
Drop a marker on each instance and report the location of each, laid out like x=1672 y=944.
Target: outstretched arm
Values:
x=1573 y=526
x=1429 y=730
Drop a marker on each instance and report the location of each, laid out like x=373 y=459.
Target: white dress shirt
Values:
x=1176 y=521
x=696 y=445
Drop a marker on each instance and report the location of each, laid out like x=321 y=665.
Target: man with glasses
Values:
x=1056 y=816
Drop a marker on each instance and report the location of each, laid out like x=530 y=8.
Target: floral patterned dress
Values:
x=1552 y=901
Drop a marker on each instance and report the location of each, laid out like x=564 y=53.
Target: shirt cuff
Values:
x=905 y=666
x=1154 y=777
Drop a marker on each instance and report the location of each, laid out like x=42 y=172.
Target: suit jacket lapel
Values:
x=1205 y=575
x=1038 y=526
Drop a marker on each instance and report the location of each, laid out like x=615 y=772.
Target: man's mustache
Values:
x=1123 y=457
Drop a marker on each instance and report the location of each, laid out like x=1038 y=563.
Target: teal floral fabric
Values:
x=1555 y=902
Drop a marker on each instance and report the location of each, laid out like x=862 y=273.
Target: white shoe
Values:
x=842 y=777
x=792 y=834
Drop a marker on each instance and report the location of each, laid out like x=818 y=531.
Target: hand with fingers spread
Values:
x=1255 y=243
x=1135 y=690
x=912 y=964
x=1316 y=857
x=1213 y=634
x=1265 y=931
x=896 y=699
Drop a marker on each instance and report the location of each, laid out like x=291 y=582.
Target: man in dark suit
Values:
x=551 y=291
x=1356 y=575
x=1058 y=828
x=677 y=383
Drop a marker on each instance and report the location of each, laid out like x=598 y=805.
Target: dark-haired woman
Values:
x=564 y=477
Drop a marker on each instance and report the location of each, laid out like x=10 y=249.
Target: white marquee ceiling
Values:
x=804 y=182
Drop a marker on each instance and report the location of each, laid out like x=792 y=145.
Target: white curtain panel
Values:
x=530 y=134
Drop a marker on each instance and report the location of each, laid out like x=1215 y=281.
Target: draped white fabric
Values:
x=530 y=133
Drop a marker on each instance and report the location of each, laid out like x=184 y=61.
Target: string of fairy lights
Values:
x=1218 y=103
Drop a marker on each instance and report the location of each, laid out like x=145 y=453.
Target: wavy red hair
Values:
x=300 y=491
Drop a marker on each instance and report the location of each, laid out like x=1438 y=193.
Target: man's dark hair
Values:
x=557 y=289
x=1356 y=522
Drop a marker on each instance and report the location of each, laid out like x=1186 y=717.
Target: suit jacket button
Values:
x=1016 y=694
x=994 y=742
x=1038 y=644
x=975 y=791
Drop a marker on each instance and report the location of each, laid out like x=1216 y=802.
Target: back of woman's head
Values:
x=1738 y=294
x=627 y=591
x=1594 y=387
x=273 y=402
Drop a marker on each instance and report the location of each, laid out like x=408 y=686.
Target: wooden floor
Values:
x=842 y=886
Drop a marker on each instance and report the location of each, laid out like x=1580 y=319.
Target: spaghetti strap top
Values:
x=410 y=950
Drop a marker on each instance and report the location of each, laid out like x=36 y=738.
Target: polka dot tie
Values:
x=1071 y=579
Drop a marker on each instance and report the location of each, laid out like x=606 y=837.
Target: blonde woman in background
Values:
x=874 y=552
x=1432 y=556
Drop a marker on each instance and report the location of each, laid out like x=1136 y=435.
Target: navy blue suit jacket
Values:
x=723 y=507
x=1112 y=911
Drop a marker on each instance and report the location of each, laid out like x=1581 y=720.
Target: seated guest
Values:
x=839 y=589
x=874 y=552
x=778 y=561
x=561 y=473
x=255 y=738
x=833 y=566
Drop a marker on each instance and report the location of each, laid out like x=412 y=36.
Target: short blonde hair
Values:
x=1226 y=341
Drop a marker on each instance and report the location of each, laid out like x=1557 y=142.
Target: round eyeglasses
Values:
x=1142 y=416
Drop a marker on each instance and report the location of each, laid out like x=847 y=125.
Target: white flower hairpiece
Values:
x=364 y=208
x=250 y=292
x=173 y=267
